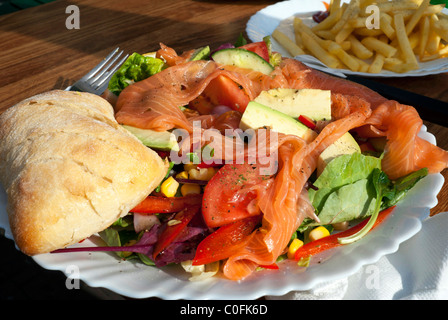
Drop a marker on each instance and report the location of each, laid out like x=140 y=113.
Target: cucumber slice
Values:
x=163 y=140
x=242 y=58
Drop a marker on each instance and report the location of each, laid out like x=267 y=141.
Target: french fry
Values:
x=350 y=13
x=298 y=39
x=335 y=14
x=358 y=22
x=364 y=32
x=394 y=6
x=365 y=3
x=392 y=61
x=424 y=35
x=383 y=38
x=386 y=26
x=359 y=49
x=415 y=18
x=434 y=39
x=440 y=27
x=379 y=46
x=400 y=68
x=441 y=53
x=290 y=46
x=403 y=41
x=325 y=34
x=413 y=41
x=363 y=66
x=432 y=9
x=343 y=34
x=345 y=45
x=377 y=64
x=300 y=27
x=346 y=58
x=319 y=52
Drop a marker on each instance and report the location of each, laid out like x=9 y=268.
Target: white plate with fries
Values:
x=382 y=38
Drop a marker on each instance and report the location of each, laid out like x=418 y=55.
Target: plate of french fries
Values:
x=376 y=38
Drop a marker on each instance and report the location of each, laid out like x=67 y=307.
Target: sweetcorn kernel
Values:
x=182 y=175
x=190 y=188
x=169 y=187
x=295 y=245
x=189 y=166
x=318 y=233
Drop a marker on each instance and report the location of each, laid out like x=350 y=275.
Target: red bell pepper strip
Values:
x=330 y=242
x=171 y=232
x=225 y=241
x=307 y=121
x=273 y=266
x=155 y=204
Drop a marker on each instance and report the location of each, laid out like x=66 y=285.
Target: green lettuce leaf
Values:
x=349 y=202
x=341 y=171
x=136 y=68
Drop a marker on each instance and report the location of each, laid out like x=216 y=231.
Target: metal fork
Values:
x=97 y=79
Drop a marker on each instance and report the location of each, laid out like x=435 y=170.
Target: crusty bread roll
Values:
x=69 y=169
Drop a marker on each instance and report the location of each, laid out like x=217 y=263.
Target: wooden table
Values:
x=38 y=52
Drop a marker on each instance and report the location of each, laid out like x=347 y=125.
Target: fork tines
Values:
x=97 y=78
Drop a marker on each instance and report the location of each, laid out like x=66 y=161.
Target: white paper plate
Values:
x=135 y=280
x=281 y=14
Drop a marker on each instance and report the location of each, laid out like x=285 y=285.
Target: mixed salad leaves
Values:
x=200 y=223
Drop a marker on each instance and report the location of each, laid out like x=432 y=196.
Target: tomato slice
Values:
x=259 y=48
x=225 y=241
x=155 y=204
x=221 y=91
x=224 y=199
x=171 y=232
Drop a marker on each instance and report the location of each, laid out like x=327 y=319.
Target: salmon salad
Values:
x=268 y=159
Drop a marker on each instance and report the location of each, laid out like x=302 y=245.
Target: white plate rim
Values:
x=135 y=280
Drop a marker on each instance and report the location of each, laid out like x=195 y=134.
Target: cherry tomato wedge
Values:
x=224 y=91
x=259 y=48
x=155 y=204
x=224 y=198
x=171 y=232
x=225 y=241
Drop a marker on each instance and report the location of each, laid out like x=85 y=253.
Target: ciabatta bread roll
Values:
x=69 y=169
